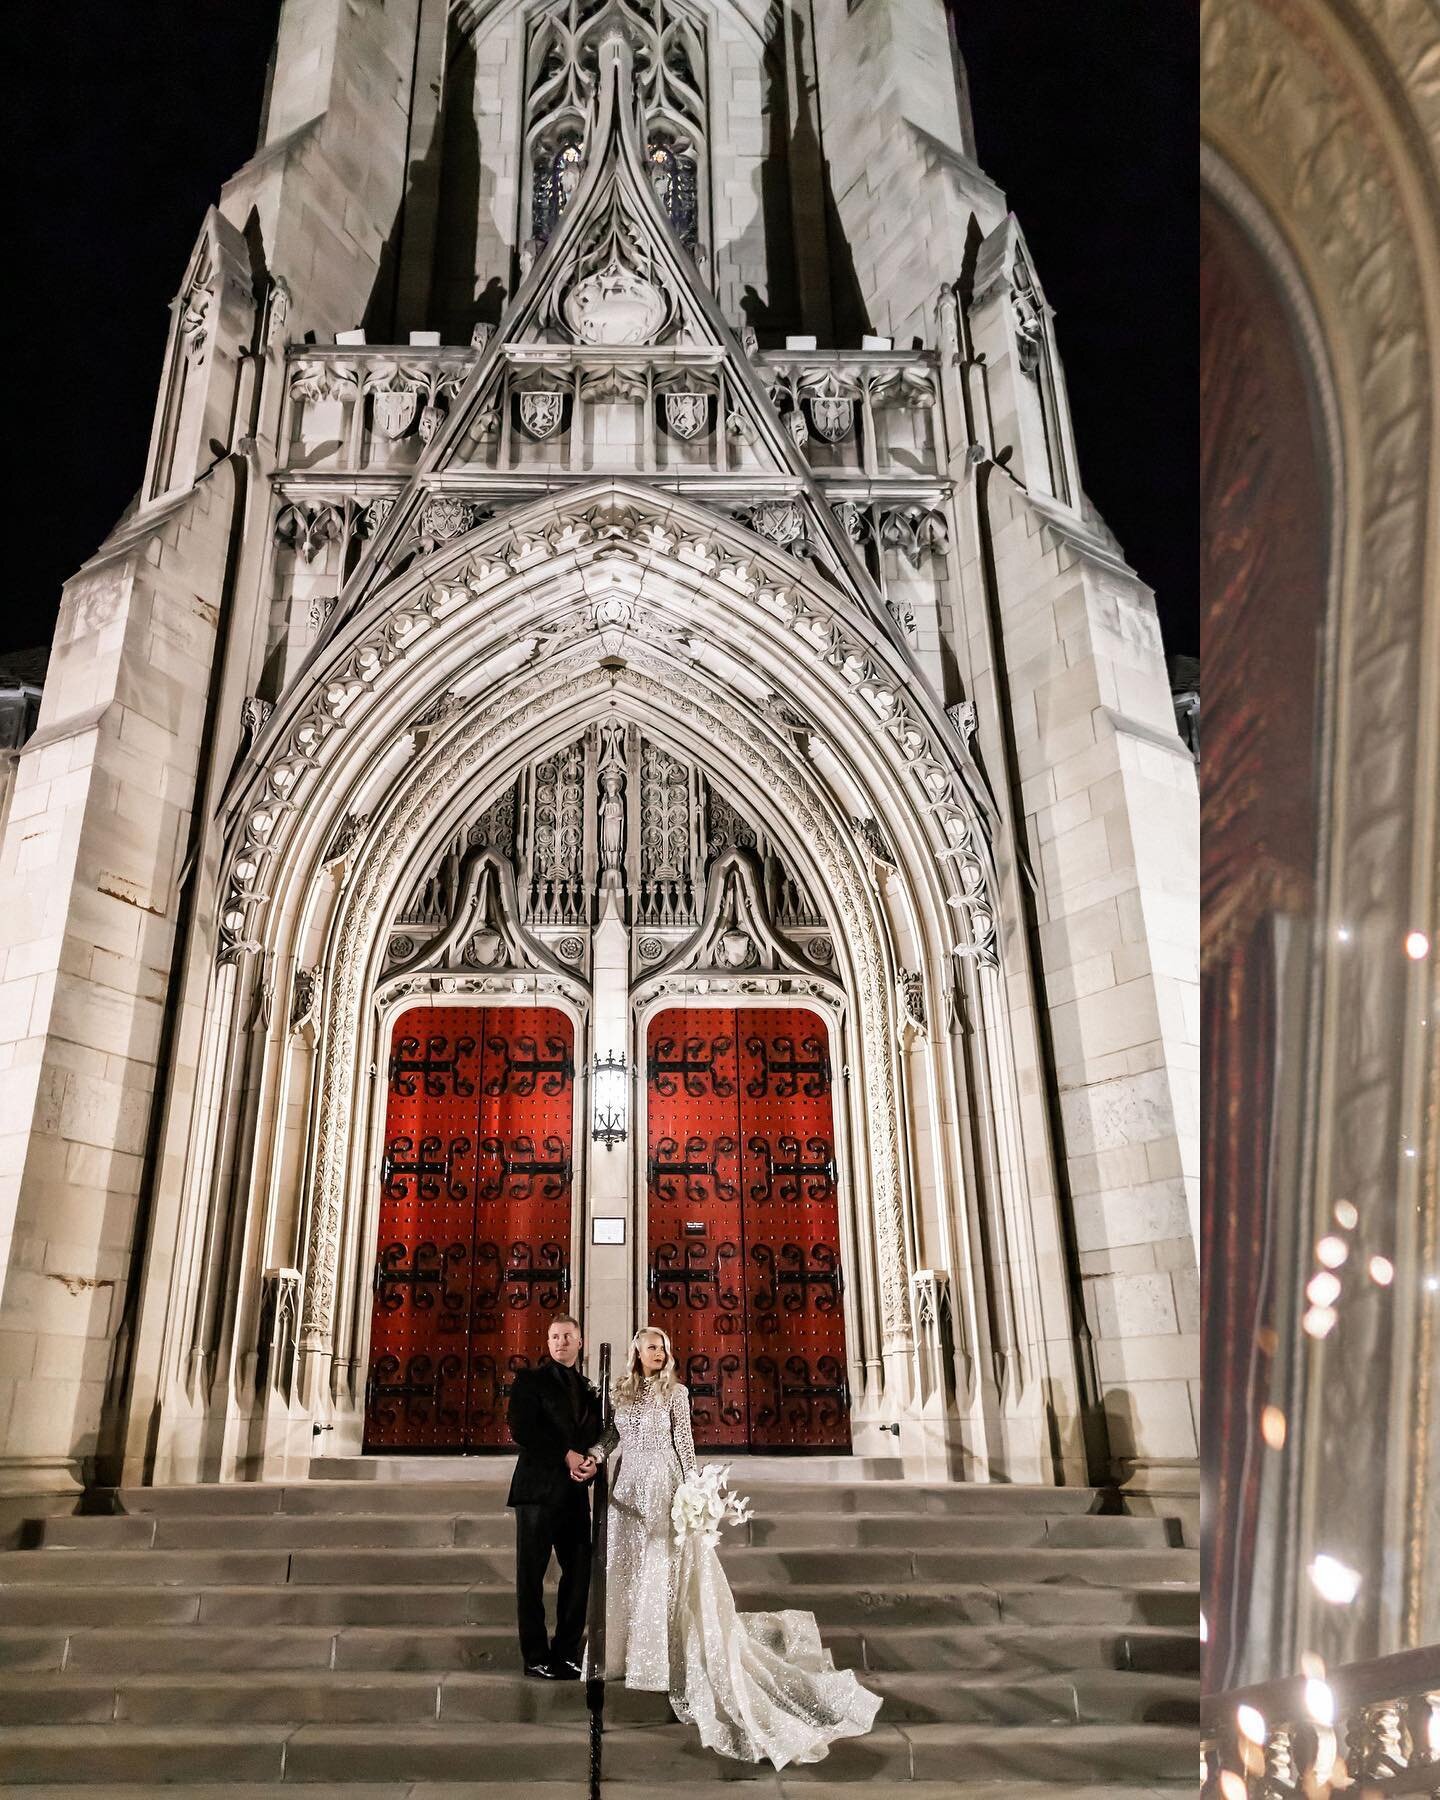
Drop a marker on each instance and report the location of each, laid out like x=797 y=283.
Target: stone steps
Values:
x=776 y=1569
x=383 y=1697
x=495 y=1470
x=767 y=1786
x=555 y=1754
x=477 y=1497
x=495 y=1529
x=276 y=1603
x=1019 y=1649
x=253 y=1637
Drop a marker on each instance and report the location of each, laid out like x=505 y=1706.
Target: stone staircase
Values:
x=357 y=1638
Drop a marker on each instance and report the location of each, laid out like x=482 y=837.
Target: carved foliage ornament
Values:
x=915 y=531
x=853 y=520
x=307 y=527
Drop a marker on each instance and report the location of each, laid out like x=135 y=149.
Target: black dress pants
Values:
x=561 y=1529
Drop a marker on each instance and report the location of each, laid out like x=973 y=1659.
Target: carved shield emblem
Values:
x=832 y=417
x=687 y=415
x=735 y=949
x=778 y=520
x=483 y=949
x=393 y=411
x=541 y=411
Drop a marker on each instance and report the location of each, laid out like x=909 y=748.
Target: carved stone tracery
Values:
x=951 y=795
x=668 y=692
x=666 y=40
x=656 y=835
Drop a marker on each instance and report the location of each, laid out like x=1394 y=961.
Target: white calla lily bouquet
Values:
x=704 y=1502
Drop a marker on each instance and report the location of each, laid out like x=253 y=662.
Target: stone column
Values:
x=604 y=1309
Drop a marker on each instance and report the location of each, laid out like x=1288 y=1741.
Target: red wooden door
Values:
x=474 y=1243
x=743 y=1234
x=695 y=1232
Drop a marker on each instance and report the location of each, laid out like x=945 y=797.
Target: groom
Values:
x=555 y=1419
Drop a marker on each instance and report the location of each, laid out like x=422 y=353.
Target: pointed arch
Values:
x=520 y=624
x=699 y=714
x=516 y=589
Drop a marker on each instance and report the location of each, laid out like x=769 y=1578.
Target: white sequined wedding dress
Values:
x=757 y=1685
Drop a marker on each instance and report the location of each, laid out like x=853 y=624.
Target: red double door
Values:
x=473 y=1251
x=743 y=1224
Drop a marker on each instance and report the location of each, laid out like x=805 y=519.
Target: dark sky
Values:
x=1085 y=113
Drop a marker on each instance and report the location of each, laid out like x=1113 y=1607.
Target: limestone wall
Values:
x=479 y=143
x=1045 y=1146
x=1058 y=643
x=901 y=169
x=97 y=832
x=1108 y=801
x=89 y=885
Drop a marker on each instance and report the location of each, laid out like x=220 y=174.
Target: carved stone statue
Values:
x=612 y=819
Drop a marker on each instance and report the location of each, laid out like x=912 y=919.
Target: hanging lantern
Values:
x=609 y=1098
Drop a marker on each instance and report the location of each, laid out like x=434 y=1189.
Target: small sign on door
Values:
x=607 y=1231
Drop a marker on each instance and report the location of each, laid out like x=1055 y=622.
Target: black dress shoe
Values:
x=542 y=1672
x=562 y=1669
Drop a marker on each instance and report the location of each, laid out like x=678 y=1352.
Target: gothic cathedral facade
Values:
x=612 y=768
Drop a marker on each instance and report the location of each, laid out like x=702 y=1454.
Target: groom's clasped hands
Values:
x=582 y=1468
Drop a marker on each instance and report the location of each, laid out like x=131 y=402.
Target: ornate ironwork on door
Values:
x=473 y=1255
x=744 y=1221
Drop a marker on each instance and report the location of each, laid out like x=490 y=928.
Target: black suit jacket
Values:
x=548 y=1415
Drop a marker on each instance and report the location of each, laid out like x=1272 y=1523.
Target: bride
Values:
x=756 y=1684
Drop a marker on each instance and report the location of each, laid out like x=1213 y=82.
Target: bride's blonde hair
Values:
x=631 y=1385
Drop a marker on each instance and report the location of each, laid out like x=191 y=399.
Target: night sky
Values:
x=1085 y=113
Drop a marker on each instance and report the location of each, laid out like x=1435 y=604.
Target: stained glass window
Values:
x=676 y=187
x=557 y=175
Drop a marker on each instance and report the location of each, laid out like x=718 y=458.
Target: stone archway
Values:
x=598 y=552
x=665 y=694
x=464 y=664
